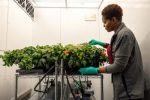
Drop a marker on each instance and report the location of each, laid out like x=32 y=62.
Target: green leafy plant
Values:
x=43 y=57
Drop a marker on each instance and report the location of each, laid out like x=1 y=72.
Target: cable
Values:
x=98 y=18
x=100 y=4
x=80 y=85
x=42 y=80
x=46 y=88
x=82 y=91
x=6 y=46
x=70 y=86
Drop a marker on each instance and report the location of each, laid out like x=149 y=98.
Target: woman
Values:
x=126 y=66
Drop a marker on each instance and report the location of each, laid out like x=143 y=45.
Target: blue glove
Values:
x=89 y=70
x=95 y=42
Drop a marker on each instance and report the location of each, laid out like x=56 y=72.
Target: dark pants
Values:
x=136 y=99
x=147 y=95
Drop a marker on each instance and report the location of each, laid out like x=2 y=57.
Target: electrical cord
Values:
x=77 y=82
x=46 y=88
x=82 y=91
x=80 y=85
x=42 y=80
x=8 y=8
x=70 y=86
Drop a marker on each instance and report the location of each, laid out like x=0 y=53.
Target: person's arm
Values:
x=92 y=70
x=102 y=70
x=105 y=45
x=89 y=70
x=122 y=54
x=96 y=42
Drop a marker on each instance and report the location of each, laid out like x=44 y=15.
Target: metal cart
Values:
x=59 y=73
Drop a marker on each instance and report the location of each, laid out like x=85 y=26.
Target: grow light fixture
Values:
x=67 y=3
x=84 y=3
x=45 y=4
x=49 y=3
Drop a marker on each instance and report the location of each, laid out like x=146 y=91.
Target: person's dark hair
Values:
x=112 y=10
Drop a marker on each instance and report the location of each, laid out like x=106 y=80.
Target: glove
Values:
x=95 y=42
x=89 y=70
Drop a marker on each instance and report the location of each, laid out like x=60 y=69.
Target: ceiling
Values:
x=87 y=3
x=67 y=3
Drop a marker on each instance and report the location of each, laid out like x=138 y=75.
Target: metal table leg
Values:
x=102 y=90
x=62 y=80
x=16 y=85
x=56 y=82
x=40 y=88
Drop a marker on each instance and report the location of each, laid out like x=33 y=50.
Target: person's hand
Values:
x=89 y=70
x=95 y=42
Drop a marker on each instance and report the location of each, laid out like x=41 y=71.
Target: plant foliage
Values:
x=43 y=57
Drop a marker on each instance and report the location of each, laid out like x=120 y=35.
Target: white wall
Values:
x=3 y=23
x=15 y=32
x=54 y=25
x=46 y=27
x=74 y=28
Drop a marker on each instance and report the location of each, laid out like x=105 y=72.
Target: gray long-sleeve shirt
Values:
x=127 y=61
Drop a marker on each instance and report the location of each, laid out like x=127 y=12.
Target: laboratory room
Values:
x=74 y=49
